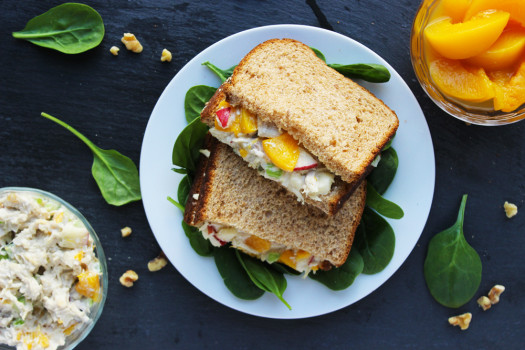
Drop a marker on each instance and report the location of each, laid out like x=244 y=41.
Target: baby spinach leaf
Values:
x=177 y=204
x=383 y=175
x=69 y=28
x=452 y=267
x=375 y=240
x=341 y=277
x=188 y=143
x=374 y=73
x=382 y=205
x=182 y=171
x=195 y=99
x=264 y=277
x=221 y=73
x=184 y=189
x=116 y=175
x=234 y=276
x=200 y=244
x=318 y=53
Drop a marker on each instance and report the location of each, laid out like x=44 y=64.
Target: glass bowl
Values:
x=478 y=114
x=79 y=334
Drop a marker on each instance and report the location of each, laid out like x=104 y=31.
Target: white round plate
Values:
x=412 y=188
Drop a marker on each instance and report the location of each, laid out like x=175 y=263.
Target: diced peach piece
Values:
x=516 y=8
x=234 y=127
x=509 y=94
x=301 y=254
x=456 y=9
x=458 y=81
x=258 y=244
x=248 y=122
x=288 y=258
x=282 y=150
x=504 y=52
x=466 y=39
x=88 y=285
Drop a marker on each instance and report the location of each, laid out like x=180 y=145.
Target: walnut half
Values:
x=128 y=278
x=463 y=321
x=495 y=292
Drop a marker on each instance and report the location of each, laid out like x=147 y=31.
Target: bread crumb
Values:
x=131 y=42
x=510 y=209
x=114 y=50
x=128 y=278
x=126 y=231
x=158 y=263
x=205 y=152
x=463 y=321
x=166 y=56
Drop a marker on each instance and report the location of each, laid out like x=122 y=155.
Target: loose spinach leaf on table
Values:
x=342 y=277
x=195 y=99
x=383 y=175
x=200 y=244
x=374 y=73
x=375 y=240
x=70 y=28
x=235 y=277
x=452 y=267
x=189 y=142
x=263 y=276
x=116 y=175
x=221 y=73
x=382 y=205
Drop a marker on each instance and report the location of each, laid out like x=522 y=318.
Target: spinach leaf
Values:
x=341 y=277
x=235 y=277
x=200 y=244
x=195 y=99
x=375 y=240
x=69 y=28
x=383 y=175
x=382 y=205
x=318 y=53
x=184 y=189
x=374 y=73
x=177 y=204
x=452 y=267
x=182 y=171
x=188 y=143
x=282 y=268
x=264 y=277
x=116 y=175
x=221 y=73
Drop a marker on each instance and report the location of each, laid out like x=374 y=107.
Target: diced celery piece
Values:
x=273 y=171
x=273 y=257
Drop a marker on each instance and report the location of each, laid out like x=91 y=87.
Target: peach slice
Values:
x=456 y=9
x=504 y=52
x=258 y=244
x=516 y=8
x=509 y=94
x=467 y=39
x=248 y=122
x=282 y=150
x=458 y=81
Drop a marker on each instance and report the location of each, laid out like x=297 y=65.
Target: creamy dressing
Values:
x=44 y=248
x=220 y=235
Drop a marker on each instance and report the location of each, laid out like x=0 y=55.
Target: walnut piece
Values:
x=126 y=231
x=128 y=278
x=463 y=321
x=114 y=50
x=495 y=292
x=166 y=56
x=484 y=303
x=131 y=42
x=510 y=209
x=158 y=263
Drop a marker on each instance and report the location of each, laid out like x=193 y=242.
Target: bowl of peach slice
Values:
x=469 y=57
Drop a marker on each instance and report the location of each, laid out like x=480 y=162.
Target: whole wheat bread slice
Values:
x=344 y=125
x=232 y=194
x=329 y=203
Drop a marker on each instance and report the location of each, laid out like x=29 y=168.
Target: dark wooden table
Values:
x=110 y=99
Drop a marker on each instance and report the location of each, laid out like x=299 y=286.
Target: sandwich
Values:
x=231 y=204
x=300 y=123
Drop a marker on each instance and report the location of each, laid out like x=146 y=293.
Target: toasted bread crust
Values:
x=242 y=199
x=337 y=120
